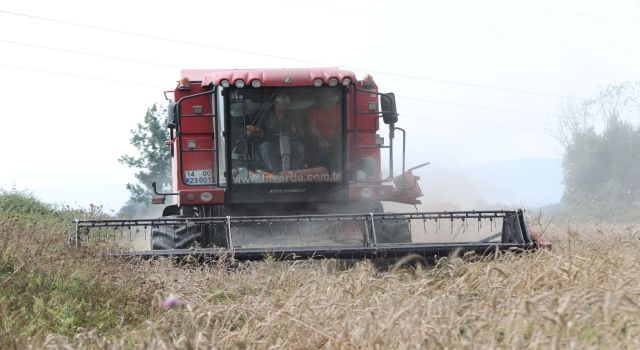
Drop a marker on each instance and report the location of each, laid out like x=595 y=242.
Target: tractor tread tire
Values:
x=175 y=237
x=393 y=232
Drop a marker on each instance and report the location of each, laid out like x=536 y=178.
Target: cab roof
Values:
x=268 y=76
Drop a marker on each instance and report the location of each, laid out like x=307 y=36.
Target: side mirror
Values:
x=171 y=115
x=389 y=112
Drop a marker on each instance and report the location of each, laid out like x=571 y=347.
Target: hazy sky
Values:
x=476 y=81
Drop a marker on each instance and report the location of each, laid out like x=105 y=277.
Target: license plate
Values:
x=198 y=177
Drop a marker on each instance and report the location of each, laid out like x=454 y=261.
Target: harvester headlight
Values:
x=239 y=83
x=367 y=81
x=206 y=196
x=366 y=192
x=346 y=81
x=317 y=82
x=185 y=84
x=333 y=82
x=256 y=83
x=224 y=83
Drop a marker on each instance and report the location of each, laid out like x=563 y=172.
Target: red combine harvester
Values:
x=287 y=163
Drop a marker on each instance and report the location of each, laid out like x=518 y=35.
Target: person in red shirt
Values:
x=324 y=123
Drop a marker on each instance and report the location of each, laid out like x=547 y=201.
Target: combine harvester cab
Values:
x=287 y=164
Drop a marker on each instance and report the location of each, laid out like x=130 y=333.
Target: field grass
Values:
x=585 y=293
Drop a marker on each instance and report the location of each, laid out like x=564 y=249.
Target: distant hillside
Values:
x=519 y=182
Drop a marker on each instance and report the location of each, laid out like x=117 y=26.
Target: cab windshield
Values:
x=281 y=135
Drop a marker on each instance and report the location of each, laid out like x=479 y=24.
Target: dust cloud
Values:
x=451 y=191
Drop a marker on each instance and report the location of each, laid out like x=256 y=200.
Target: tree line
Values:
x=601 y=160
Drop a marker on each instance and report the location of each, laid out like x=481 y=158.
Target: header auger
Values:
x=287 y=163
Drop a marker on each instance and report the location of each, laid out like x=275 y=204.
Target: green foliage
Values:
x=45 y=287
x=602 y=153
x=60 y=303
x=152 y=158
x=22 y=202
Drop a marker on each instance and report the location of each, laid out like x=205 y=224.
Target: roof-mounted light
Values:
x=224 y=83
x=184 y=84
x=239 y=83
x=367 y=81
x=317 y=82
x=333 y=82
x=346 y=81
x=256 y=83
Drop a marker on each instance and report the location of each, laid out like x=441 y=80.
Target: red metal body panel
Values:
x=413 y=191
x=366 y=127
x=196 y=128
x=194 y=196
x=538 y=237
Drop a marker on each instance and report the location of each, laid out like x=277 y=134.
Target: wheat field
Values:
x=584 y=293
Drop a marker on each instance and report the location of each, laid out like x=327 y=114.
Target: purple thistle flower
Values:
x=171 y=301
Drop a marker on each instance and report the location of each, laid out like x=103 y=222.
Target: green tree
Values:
x=152 y=158
x=601 y=139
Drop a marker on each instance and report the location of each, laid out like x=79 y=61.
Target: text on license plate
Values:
x=198 y=177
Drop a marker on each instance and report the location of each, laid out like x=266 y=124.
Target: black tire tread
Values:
x=175 y=237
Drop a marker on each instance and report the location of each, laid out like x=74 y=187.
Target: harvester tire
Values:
x=389 y=231
x=512 y=229
x=176 y=237
x=393 y=232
